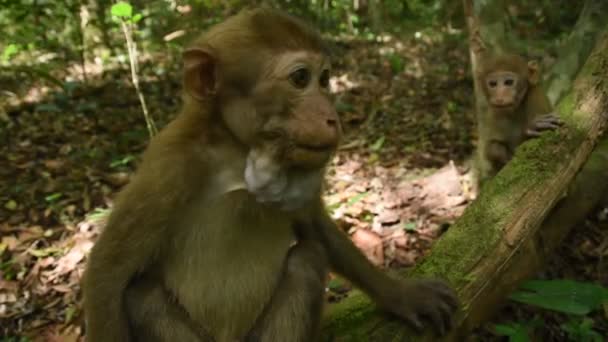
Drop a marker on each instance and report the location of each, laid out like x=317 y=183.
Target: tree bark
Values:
x=573 y=52
x=499 y=242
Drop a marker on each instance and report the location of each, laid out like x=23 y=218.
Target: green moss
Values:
x=478 y=230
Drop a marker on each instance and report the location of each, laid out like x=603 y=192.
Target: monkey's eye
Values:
x=492 y=83
x=324 y=79
x=509 y=82
x=300 y=78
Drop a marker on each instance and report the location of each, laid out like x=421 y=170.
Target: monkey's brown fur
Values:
x=196 y=251
x=516 y=111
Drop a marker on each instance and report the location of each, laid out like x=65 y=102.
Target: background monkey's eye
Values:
x=492 y=83
x=324 y=79
x=509 y=82
x=300 y=78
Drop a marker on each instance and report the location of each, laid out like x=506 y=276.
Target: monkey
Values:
x=222 y=233
x=518 y=108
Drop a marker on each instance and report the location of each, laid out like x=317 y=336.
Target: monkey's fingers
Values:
x=542 y=125
x=446 y=304
x=549 y=119
x=445 y=292
x=439 y=306
x=415 y=322
x=439 y=316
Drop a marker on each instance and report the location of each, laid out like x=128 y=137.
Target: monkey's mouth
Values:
x=502 y=106
x=322 y=148
x=309 y=155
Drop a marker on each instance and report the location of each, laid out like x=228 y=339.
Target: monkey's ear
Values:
x=200 y=69
x=533 y=72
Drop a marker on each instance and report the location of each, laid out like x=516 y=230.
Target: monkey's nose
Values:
x=332 y=122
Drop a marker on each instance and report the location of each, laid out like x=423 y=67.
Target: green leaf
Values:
x=122 y=10
x=53 y=197
x=121 y=162
x=581 y=330
x=378 y=144
x=136 y=18
x=397 y=63
x=515 y=331
x=9 y=51
x=11 y=205
x=565 y=296
x=356 y=198
x=334 y=284
x=44 y=252
x=48 y=107
x=410 y=227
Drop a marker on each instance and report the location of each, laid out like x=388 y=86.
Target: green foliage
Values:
x=15 y=339
x=516 y=332
x=581 y=330
x=564 y=296
x=122 y=161
x=410 y=226
x=9 y=51
x=397 y=63
x=377 y=145
x=123 y=10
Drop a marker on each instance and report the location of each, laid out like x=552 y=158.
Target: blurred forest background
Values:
x=84 y=83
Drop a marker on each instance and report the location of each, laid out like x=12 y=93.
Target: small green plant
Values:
x=9 y=51
x=576 y=299
x=122 y=13
x=566 y=296
x=581 y=330
x=516 y=332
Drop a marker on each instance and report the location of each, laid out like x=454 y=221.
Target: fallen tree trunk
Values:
x=498 y=242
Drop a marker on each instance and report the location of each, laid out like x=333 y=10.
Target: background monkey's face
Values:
x=504 y=90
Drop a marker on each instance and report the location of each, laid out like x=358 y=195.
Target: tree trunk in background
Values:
x=375 y=15
x=575 y=49
x=498 y=242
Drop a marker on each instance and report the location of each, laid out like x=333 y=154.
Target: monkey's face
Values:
x=504 y=90
x=289 y=107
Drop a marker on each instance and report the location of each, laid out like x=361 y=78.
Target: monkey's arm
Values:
x=412 y=300
x=123 y=250
x=132 y=240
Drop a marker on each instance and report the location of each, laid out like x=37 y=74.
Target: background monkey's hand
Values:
x=547 y=122
x=422 y=302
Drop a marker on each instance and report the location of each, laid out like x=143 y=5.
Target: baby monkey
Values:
x=518 y=108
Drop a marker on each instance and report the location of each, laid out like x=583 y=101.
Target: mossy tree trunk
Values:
x=501 y=240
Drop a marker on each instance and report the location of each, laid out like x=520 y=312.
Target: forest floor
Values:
x=398 y=181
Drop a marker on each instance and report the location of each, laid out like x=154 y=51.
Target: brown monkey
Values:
x=518 y=108
x=222 y=234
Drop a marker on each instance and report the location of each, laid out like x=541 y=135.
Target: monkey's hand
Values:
x=547 y=122
x=422 y=302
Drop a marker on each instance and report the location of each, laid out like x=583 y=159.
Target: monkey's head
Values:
x=267 y=76
x=506 y=80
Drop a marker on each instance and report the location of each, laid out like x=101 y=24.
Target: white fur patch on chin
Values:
x=271 y=184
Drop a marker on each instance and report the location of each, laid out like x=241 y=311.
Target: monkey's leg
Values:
x=294 y=312
x=154 y=317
